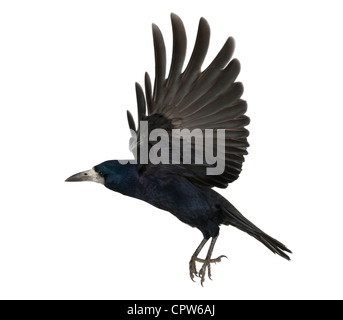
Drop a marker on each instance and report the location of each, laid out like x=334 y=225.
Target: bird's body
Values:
x=192 y=204
x=197 y=101
x=198 y=206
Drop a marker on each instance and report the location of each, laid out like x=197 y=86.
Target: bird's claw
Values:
x=211 y=260
x=192 y=269
x=202 y=272
x=206 y=265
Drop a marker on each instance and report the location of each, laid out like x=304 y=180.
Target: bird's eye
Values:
x=101 y=174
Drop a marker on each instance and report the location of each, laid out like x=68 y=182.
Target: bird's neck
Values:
x=125 y=182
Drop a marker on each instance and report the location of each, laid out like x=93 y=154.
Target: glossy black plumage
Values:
x=189 y=99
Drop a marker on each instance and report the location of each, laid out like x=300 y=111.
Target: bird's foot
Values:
x=192 y=268
x=206 y=265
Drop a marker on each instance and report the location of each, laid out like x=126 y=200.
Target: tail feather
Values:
x=273 y=245
x=235 y=218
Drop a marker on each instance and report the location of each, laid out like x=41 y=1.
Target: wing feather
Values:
x=160 y=64
x=196 y=99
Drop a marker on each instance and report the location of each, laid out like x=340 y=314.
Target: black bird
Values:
x=189 y=98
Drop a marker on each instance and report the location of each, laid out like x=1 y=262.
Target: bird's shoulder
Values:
x=174 y=193
x=163 y=175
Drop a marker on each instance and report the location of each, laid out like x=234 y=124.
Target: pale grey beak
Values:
x=89 y=175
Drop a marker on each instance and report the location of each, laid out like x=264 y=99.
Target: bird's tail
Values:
x=235 y=218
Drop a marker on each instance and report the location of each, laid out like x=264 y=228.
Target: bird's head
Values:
x=110 y=172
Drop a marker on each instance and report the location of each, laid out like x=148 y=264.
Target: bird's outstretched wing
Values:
x=196 y=99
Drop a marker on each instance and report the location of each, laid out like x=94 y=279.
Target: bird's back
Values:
x=196 y=205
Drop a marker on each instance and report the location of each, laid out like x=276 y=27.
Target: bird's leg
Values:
x=192 y=266
x=207 y=262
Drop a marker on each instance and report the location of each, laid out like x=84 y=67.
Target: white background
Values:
x=67 y=73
